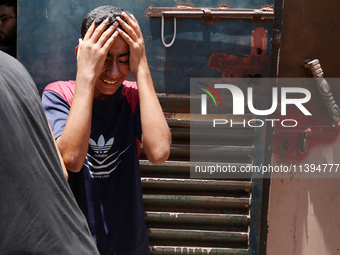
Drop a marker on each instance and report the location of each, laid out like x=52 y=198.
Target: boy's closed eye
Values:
x=122 y=58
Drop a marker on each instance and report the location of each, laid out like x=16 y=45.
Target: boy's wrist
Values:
x=84 y=81
x=143 y=68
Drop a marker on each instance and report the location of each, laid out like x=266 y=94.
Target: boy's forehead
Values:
x=118 y=55
x=119 y=47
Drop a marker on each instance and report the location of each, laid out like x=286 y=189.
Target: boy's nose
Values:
x=113 y=71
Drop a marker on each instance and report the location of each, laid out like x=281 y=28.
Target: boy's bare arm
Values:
x=59 y=155
x=156 y=134
x=91 y=54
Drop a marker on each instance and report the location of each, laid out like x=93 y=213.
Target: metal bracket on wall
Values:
x=324 y=89
x=303 y=141
x=257 y=15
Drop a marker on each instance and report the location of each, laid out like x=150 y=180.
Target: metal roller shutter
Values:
x=199 y=216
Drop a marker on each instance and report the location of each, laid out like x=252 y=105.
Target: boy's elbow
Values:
x=72 y=164
x=159 y=155
x=158 y=159
x=72 y=157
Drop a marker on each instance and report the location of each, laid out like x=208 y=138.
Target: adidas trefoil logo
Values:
x=101 y=147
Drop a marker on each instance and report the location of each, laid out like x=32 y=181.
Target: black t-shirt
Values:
x=38 y=213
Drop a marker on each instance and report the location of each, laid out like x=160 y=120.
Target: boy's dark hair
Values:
x=99 y=15
x=10 y=3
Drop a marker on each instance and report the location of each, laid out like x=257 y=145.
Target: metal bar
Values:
x=178 y=164
x=166 y=250
x=266 y=13
x=198 y=236
x=197 y=219
x=175 y=103
x=196 y=185
x=181 y=152
x=173 y=169
x=240 y=154
x=226 y=148
x=174 y=202
x=257 y=15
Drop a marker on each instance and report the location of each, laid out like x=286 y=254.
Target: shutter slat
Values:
x=166 y=250
x=182 y=203
x=192 y=237
x=173 y=169
x=201 y=221
x=196 y=184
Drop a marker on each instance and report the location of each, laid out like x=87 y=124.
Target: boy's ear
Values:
x=80 y=41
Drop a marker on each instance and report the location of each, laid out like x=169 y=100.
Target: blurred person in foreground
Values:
x=8 y=26
x=99 y=120
x=38 y=213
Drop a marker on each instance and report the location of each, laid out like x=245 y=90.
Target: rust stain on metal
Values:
x=267 y=6
x=185 y=5
x=148 y=11
x=255 y=64
x=223 y=6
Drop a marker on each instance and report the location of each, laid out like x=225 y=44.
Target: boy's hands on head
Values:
x=156 y=137
x=92 y=50
x=91 y=55
x=134 y=38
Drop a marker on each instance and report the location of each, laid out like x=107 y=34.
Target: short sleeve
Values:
x=57 y=111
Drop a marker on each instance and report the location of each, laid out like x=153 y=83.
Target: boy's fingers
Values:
x=90 y=31
x=128 y=28
x=108 y=33
x=125 y=36
x=108 y=43
x=132 y=21
x=133 y=18
x=99 y=30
